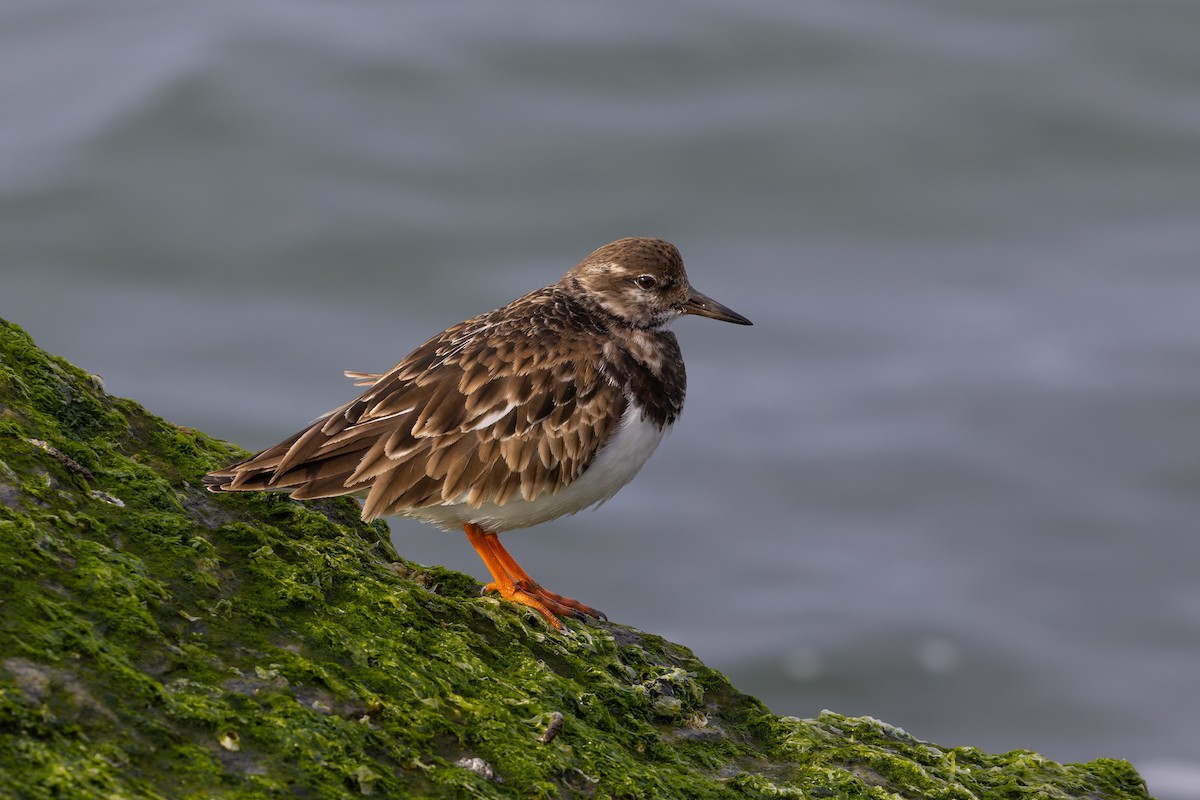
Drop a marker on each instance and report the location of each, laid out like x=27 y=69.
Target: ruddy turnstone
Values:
x=538 y=409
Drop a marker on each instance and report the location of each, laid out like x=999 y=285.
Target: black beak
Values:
x=704 y=306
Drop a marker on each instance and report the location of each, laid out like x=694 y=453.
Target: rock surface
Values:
x=157 y=641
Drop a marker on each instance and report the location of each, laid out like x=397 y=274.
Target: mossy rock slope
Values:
x=157 y=641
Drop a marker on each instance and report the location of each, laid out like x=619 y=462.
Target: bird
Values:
x=538 y=409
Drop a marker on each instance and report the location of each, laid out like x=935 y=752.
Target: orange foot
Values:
x=514 y=583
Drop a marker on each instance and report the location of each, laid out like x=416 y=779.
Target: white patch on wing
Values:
x=390 y=414
x=625 y=453
x=490 y=418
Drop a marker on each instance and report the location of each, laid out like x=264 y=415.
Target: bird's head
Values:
x=642 y=282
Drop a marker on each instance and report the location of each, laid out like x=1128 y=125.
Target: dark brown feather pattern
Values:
x=510 y=403
x=514 y=403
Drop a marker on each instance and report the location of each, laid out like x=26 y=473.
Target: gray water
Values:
x=951 y=478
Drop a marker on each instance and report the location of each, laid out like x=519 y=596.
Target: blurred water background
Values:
x=951 y=478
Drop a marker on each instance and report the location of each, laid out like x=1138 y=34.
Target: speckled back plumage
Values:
x=513 y=403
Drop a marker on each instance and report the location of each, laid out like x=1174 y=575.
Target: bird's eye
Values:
x=646 y=281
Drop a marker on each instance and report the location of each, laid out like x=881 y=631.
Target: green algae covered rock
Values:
x=157 y=641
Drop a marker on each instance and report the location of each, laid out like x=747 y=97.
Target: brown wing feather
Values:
x=485 y=412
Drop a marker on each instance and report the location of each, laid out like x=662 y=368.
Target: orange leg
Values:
x=562 y=606
x=513 y=583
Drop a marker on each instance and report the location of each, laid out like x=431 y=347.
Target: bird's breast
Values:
x=649 y=367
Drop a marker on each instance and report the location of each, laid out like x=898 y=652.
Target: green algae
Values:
x=157 y=641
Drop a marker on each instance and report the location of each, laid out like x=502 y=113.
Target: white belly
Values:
x=631 y=444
